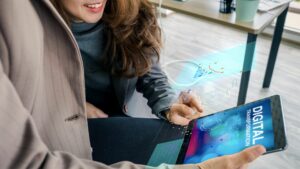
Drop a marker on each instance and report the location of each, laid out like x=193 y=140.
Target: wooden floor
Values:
x=191 y=38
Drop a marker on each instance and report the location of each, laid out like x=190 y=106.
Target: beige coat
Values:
x=42 y=114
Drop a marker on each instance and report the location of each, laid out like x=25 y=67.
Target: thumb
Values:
x=101 y=114
x=246 y=156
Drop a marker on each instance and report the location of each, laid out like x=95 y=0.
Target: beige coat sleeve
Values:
x=20 y=145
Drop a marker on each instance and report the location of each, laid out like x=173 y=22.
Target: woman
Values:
x=36 y=97
x=120 y=43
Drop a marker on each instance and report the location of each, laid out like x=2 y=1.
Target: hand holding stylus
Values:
x=186 y=109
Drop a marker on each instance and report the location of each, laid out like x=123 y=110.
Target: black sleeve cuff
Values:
x=162 y=114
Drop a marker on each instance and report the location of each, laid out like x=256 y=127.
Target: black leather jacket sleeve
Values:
x=155 y=88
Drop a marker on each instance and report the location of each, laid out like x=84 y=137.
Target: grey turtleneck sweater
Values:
x=99 y=89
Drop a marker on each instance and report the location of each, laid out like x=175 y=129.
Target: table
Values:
x=209 y=10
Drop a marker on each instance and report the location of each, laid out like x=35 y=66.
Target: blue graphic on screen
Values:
x=231 y=131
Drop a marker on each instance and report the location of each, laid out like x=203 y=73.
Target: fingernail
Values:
x=260 y=150
x=193 y=112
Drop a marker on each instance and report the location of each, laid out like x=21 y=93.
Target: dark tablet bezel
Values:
x=186 y=142
x=278 y=125
x=277 y=122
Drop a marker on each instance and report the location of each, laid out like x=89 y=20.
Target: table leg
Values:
x=249 y=54
x=274 y=48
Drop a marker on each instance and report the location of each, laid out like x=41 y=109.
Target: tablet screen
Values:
x=231 y=131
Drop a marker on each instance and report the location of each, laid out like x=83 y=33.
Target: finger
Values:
x=195 y=103
x=246 y=156
x=91 y=115
x=175 y=118
x=244 y=166
x=101 y=114
x=182 y=109
x=195 y=116
x=191 y=100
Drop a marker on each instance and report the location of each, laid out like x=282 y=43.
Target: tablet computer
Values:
x=230 y=131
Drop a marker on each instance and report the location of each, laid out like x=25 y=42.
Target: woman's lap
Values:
x=132 y=139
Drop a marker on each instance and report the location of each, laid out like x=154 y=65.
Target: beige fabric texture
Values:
x=42 y=119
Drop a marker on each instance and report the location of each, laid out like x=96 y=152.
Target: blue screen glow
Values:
x=231 y=131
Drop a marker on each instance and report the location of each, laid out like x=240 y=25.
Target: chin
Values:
x=92 y=19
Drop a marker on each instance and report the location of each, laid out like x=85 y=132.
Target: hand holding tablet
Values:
x=236 y=161
x=234 y=130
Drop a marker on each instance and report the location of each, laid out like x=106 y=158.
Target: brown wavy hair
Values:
x=133 y=34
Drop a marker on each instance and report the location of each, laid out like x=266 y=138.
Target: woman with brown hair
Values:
x=120 y=43
x=41 y=86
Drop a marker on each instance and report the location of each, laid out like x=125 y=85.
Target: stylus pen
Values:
x=186 y=99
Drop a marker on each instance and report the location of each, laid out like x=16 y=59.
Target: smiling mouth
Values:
x=94 y=5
